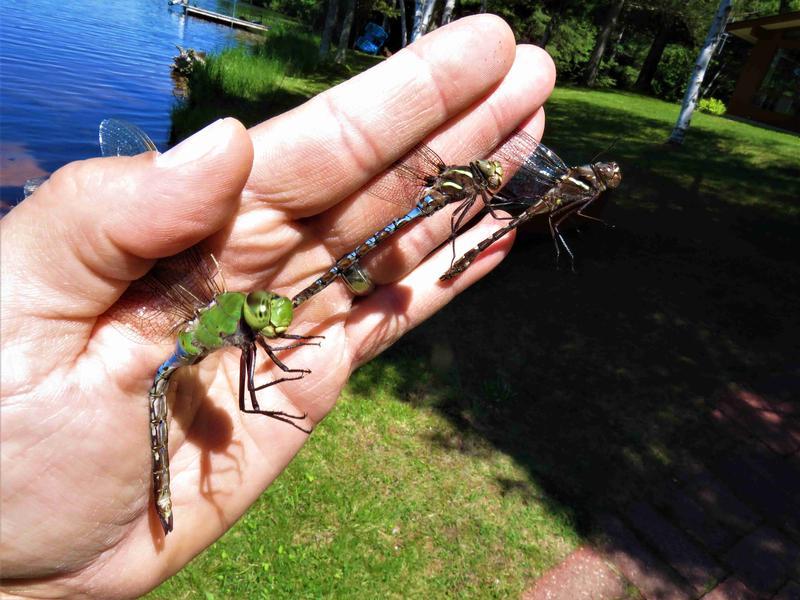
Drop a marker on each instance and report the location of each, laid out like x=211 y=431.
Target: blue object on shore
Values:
x=373 y=39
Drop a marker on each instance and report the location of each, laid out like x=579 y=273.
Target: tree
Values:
x=693 y=89
x=403 y=32
x=423 y=11
x=664 y=32
x=609 y=23
x=327 y=31
x=447 y=14
x=344 y=37
x=670 y=21
x=552 y=25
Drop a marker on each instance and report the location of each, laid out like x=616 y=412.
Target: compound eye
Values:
x=257 y=309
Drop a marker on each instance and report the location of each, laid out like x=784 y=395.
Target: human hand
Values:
x=77 y=516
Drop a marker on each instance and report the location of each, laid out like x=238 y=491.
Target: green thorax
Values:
x=234 y=318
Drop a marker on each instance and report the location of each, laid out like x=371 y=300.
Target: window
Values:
x=780 y=90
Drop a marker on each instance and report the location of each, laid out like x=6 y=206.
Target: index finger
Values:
x=348 y=136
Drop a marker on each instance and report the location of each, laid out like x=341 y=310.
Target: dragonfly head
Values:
x=492 y=171
x=608 y=173
x=267 y=313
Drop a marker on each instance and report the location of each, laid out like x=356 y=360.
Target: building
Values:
x=768 y=89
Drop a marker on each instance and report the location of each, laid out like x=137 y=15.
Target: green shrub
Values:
x=712 y=106
x=571 y=45
x=673 y=72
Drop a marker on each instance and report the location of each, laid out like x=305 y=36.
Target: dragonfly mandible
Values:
x=423 y=177
x=545 y=185
x=185 y=296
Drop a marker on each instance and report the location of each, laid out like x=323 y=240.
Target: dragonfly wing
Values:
x=534 y=167
x=158 y=304
x=33 y=184
x=403 y=183
x=120 y=138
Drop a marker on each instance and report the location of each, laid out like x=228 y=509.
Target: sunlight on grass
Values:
x=470 y=479
x=386 y=499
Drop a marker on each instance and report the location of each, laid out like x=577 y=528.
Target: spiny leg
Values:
x=289 y=336
x=456 y=220
x=247 y=369
x=491 y=205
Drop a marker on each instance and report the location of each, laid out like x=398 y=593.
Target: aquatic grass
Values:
x=254 y=84
x=296 y=49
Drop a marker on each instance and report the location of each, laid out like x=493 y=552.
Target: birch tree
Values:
x=422 y=18
x=447 y=14
x=695 y=81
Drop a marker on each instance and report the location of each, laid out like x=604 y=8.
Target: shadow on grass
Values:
x=600 y=382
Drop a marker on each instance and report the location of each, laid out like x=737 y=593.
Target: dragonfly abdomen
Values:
x=159 y=445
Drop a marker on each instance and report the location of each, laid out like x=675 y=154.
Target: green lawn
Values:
x=387 y=499
x=466 y=460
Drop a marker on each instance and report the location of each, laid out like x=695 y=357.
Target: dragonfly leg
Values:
x=491 y=205
x=246 y=373
x=590 y=217
x=557 y=237
x=293 y=336
x=456 y=220
x=289 y=336
x=280 y=365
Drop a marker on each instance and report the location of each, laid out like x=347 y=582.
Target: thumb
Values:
x=72 y=248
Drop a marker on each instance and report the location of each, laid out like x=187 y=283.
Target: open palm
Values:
x=275 y=207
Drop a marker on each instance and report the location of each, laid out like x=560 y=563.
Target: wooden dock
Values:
x=223 y=19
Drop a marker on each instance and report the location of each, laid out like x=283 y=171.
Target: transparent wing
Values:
x=533 y=167
x=154 y=307
x=117 y=138
x=33 y=184
x=405 y=180
x=120 y=138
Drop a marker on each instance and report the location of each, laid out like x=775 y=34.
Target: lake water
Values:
x=65 y=66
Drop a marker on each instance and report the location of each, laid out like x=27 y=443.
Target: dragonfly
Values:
x=545 y=185
x=431 y=184
x=185 y=297
x=117 y=138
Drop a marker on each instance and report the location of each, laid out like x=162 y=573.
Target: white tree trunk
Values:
x=426 y=16
x=424 y=11
x=447 y=15
x=693 y=89
x=418 y=8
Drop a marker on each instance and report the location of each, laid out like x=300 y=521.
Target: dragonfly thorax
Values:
x=593 y=178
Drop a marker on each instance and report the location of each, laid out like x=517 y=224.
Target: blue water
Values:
x=65 y=66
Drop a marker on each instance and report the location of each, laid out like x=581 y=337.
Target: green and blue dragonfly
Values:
x=185 y=297
x=425 y=179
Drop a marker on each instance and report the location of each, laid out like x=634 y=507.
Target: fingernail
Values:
x=195 y=147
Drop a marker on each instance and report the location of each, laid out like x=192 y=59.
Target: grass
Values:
x=466 y=460
x=386 y=500
x=253 y=84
